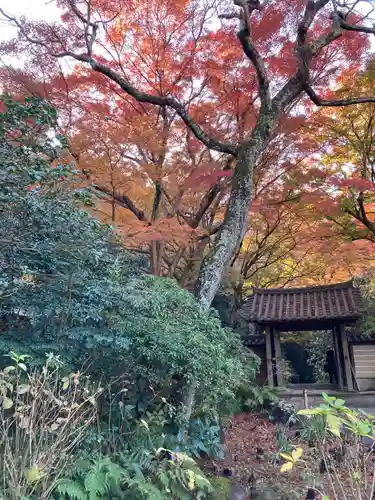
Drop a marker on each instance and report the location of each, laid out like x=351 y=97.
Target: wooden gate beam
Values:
x=347 y=363
x=278 y=359
x=269 y=356
x=336 y=344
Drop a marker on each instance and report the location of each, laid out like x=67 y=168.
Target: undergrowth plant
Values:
x=44 y=415
x=257 y=398
x=345 y=440
x=168 y=475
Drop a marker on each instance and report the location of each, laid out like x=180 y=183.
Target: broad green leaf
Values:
x=7 y=403
x=339 y=402
x=23 y=367
x=334 y=424
x=329 y=399
x=23 y=389
x=364 y=428
x=23 y=357
x=310 y=411
x=323 y=406
x=287 y=466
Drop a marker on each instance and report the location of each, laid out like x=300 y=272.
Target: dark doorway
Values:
x=297 y=355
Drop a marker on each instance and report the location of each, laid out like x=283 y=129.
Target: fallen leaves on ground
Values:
x=253 y=460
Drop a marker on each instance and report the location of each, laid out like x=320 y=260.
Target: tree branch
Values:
x=245 y=37
x=124 y=200
x=162 y=101
x=335 y=102
x=124 y=83
x=312 y=8
x=209 y=197
x=355 y=27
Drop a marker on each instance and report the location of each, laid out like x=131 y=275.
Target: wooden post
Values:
x=269 y=357
x=278 y=359
x=347 y=363
x=305 y=399
x=336 y=345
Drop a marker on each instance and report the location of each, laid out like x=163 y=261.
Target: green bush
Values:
x=256 y=398
x=67 y=286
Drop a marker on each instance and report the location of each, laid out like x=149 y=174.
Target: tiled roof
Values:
x=279 y=305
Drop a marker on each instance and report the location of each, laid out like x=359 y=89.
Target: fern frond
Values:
x=203 y=483
x=73 y=489
x=96 y=483
x=163 y=478
x=151 y=492
x=115 y=472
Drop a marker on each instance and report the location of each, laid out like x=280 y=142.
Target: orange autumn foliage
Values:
x=161 y=189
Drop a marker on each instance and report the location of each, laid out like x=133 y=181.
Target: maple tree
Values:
x=145 y=173
x=170 y=55
x=346 y=168
x=290 y=243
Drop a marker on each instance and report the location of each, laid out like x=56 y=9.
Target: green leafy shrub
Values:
x=256 y=398
x=204 y=439
x=317 y=346
x=173 y=342
x=221 y=487
x=313 y=429
x=280 y=411
x=60 y=270
x=67 y=286
x=47 y=415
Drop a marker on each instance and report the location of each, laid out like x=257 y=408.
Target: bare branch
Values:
x=356 y=27
x=123 y=200
x=245 y=37
x=79 y=14
x=230 y=15
x=335 y=102
x=162 y=101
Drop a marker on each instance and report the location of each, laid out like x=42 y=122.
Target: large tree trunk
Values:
x=236 y=218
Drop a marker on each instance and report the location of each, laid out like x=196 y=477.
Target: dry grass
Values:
x=43 y=418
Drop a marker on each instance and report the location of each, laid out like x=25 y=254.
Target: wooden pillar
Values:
x=278 y=359
x=336 y=344
x=269 y=356
x=347 y=363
